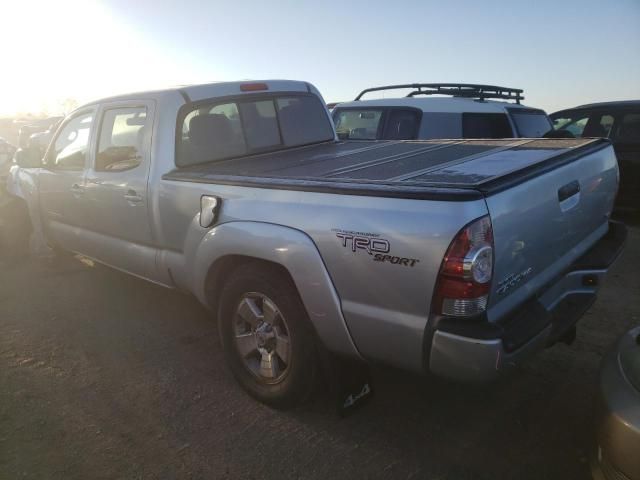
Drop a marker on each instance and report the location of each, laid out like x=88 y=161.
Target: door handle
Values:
x=132 y=197
x=568 y=190
x=569 y=195
x=77 y=190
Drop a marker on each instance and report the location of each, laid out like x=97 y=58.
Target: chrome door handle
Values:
x=77 y=189
x=132 y=197
x=569 y=196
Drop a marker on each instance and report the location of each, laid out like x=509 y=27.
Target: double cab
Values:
x=455 y=257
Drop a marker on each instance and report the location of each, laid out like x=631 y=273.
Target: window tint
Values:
x=572 y=123
x=628 y=130
x=120 y=146
x=72 y=143
x=598 y=125
x=260 y=124
x=245 y=126
x=530 y=123
x=401 y=124
x=357 y=124
x=486 y=125
x=296 y=132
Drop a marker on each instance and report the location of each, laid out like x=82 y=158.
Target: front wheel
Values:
x=266 y=335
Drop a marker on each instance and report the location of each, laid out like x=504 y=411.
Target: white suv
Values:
x=450 y=110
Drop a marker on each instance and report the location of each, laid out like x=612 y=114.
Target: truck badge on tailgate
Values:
x=374 y=245
x=512 y=280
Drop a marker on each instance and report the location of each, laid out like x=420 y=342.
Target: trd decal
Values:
x=407 y=262
x=374 y=245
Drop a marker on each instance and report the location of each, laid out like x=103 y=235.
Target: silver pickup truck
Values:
x=456 y=257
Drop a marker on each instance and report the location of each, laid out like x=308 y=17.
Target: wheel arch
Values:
x=231 y=244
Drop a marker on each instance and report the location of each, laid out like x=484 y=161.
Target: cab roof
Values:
x=212 y=90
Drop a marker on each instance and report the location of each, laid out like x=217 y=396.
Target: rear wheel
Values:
x=266 y=335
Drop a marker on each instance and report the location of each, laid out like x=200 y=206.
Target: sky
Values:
x=562 y=53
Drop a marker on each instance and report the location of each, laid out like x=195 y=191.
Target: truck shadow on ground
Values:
x=144 y=364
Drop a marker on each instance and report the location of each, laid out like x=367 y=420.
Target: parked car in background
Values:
x=617 y=454
x=440 y=110
x=6 y=155
x=418 y=254
x=620 y=122
x=36 y=126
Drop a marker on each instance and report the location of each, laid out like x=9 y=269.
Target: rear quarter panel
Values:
x=385 y=305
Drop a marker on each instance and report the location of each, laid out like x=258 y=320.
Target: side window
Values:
x=401 y=125
x=357 y=124
x=575 y=125
x=121 y=142
x=486 y=125
x=628 y=130
x=72 y=144
x=598 y=125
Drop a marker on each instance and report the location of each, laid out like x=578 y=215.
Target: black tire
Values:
x=301 y=371
x=16 y=232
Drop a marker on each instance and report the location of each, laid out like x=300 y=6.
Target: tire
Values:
x=16 y=231
x=284 y=330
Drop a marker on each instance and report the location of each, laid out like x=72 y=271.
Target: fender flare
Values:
x=295 y=251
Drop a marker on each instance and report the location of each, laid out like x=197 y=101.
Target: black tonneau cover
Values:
x=410 y=169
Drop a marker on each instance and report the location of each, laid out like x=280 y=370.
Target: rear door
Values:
x=117 y=191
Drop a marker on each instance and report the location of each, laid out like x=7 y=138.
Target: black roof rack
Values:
x=467 y=90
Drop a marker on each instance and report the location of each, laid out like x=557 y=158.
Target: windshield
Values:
x=530 y=123
x=244 y=126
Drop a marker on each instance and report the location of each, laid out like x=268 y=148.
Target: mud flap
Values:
x=350 y=383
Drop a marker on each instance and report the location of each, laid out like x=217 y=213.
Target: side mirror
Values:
x=28 y=157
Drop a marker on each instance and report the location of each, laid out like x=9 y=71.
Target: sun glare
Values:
x=70 y=49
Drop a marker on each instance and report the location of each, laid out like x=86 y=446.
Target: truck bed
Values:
x=456 y=169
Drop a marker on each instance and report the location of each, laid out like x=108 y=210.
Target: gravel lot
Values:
x=105 y=376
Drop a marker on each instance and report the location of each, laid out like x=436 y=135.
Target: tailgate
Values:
x=544 y=219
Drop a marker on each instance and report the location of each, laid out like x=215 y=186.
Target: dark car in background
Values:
x=6 y=155
x=620 y=122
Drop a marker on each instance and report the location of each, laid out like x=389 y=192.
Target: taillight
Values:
x=463 y=284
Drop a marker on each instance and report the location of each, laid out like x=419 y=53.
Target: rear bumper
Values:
x=477 y=350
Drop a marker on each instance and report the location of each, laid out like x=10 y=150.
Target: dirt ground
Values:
x=105 y=376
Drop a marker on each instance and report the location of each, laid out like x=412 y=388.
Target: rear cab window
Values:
x=530 y=123
x=221 y=129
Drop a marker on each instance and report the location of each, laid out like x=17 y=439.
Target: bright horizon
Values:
x=561 y=53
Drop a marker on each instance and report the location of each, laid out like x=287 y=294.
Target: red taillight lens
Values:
x=253 y=87
x=464 y=281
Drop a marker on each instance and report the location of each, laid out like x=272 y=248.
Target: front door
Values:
x=61 y=182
